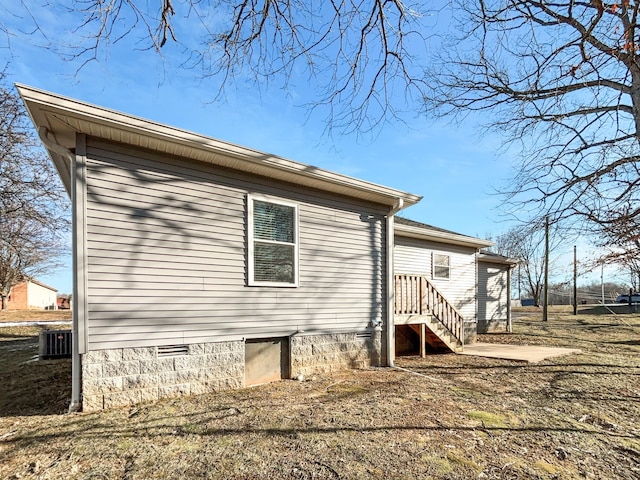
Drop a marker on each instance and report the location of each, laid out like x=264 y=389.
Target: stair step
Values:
x=444 y=336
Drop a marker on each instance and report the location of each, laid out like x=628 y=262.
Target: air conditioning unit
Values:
x=55 y=344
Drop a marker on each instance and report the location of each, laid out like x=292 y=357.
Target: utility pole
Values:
x=602 y=281
x=575 y=280
x=545 y=307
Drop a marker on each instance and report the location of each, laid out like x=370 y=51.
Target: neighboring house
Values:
x=64 y=302
x=32 y=294
x=200 y=265
x=494 y=292
x=437 y=269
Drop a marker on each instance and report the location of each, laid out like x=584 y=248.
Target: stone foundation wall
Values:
x=334 y=352
x=492 y=326
x=470 y=332
x=127 y=376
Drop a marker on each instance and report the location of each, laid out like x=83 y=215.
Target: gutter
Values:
x=76 y=365
x=391 y=330
x=76 y=117
x=442 y=236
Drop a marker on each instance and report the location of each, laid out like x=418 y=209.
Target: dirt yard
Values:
x=456 y=417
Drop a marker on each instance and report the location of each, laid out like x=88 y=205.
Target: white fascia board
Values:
x=64 y=117
x=43 y=285
x=439 y=236
x=499 y=259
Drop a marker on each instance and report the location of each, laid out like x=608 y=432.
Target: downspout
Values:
x=391 y=327
x=76 y=365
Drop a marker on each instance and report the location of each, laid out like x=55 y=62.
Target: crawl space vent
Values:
x=173 y=350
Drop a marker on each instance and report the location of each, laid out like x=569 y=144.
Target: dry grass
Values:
x=29 y=386
x=461 y=418
x=34 y=315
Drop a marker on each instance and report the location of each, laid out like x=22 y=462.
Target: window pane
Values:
x=441 y=272
x=273 y=263
x=440 y=266
x=441 y=260
x=273 y=222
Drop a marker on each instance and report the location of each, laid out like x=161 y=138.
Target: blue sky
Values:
x=449 y=165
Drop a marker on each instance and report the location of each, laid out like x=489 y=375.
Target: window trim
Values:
x=433 y=266
x=251 y=198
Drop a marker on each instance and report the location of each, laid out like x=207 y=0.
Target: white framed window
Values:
x=441 y=266
x=272 y=226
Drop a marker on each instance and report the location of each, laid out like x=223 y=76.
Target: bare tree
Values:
x=526 y=243
x=562 y=81
x=626 y=255
x=364 y=58
x=32 y=201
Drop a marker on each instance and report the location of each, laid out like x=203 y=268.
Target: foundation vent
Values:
x=55 y=344
x=173 y=350
x=363 y=335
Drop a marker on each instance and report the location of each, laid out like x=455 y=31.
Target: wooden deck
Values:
x=418 y=302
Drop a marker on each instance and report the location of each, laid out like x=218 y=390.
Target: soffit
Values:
x=436 y=235
x=65 y=117
x=498 y=259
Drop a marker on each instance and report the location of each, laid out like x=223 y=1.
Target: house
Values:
x=200 y=265
x=32 y=294
x=436 y=276
x=494 y=292
x=63 y=302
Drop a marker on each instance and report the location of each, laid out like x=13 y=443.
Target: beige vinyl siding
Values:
x=414 y=256
x=492 y=292
x=167 y=255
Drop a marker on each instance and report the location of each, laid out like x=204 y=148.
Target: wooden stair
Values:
x=428 y=313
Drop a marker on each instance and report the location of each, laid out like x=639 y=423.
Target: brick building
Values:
x=32 y=295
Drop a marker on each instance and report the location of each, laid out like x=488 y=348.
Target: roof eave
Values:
x=64 y=117
x=502 y=260
x=443 y=237
x=43 y=285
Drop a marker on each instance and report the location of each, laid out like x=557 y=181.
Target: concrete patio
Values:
x=520 y=353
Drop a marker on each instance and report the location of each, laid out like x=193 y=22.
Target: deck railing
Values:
x=416 y=295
